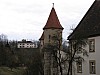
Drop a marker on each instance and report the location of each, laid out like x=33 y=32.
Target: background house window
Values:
x=79 y=66
x=92 y=66
x=91 y=45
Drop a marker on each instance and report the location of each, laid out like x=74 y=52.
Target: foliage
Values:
x=75 y=51
x=12 y=57
x=71 y=52
x=55 y=48
x=31 y=59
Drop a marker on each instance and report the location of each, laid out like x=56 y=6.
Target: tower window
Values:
x=49 y=37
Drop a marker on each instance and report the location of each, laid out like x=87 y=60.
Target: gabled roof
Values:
x=53 y=21
x=24 y=41
x=89 y=26
x=42 y=37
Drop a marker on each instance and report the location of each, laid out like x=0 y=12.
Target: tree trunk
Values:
x=60 y=67
x=70 y=63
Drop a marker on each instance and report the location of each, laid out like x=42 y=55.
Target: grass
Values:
x=8 y=71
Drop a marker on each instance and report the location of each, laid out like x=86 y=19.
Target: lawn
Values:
x=8 y=71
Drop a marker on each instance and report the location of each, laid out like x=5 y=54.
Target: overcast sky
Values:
x=24 y=19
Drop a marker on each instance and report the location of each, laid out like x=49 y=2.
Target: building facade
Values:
x=89 y=28
x=26 y=44
x=52 y=27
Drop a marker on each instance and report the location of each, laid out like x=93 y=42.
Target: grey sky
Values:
x=24 y=19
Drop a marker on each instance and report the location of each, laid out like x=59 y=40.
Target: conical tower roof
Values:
x=53 y=21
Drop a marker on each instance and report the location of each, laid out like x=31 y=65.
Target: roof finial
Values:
x=53 y=5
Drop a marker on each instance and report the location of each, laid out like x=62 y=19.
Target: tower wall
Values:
x=49 y=33
x=48 y=58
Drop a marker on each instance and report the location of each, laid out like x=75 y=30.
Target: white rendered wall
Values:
x=92 y=56
x=26 y=45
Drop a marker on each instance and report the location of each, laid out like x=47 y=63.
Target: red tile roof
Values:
x=53 y=21
x=89 y=26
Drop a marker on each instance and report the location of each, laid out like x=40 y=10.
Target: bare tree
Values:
x=76 y=46
x=54 y=48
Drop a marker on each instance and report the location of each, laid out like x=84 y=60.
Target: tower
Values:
x=51 y=28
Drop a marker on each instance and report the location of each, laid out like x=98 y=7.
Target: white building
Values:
x=26 y=44
x=89 y=28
